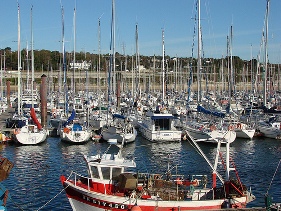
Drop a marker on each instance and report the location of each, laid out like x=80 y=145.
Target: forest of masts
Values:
x=247 y=75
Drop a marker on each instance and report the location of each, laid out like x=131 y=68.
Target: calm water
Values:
x=34 y=181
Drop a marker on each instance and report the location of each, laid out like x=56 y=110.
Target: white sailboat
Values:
x=31 y=133
x=200 y=128
x=121 y=129
x=71 y=130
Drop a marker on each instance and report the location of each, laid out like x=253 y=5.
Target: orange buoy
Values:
x=136 y=208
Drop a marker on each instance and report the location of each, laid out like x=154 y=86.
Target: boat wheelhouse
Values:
x=159 y=127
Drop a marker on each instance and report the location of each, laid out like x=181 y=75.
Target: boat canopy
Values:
x=118 y=116
x=214 y=113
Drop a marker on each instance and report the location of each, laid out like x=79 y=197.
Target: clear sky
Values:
x=176 y=18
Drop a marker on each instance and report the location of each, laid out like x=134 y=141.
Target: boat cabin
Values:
x=108 y=170
x=107 y=166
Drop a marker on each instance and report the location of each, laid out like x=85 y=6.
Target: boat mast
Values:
x=199 y=62
x=27 y=66
x=74 y=48
x=64 y=64
x=19 y=64
x=231 y=66
x=99 y=52
x=163 y=66
x=138 y=92
x=265 y=54
x=32 y=60
x=113 y=47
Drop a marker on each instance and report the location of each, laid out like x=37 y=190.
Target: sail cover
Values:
x=214 y=113
x=71 y=118
x=34 y=118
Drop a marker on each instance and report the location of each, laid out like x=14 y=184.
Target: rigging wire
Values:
x=273 y=176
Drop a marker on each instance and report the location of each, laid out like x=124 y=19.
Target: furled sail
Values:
x=34 y=118
x=71 y=118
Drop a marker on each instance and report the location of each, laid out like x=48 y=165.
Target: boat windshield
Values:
x=95 y=172
x=116 y=172
x=105 y=172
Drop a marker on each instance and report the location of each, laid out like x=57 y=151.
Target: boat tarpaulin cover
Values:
x=214 y=113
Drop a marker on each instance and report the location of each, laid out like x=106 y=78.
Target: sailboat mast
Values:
x=199 y=54
x=231 y=65
x=163 y=66
x=265 y=54
x=113 y=47
x=74 y=48
x=64 y=64
x=99 y=62
x=19 y=63
x=32 y=59
x=137 y=62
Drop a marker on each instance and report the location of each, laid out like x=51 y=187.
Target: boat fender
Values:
x=136 y=208
x=230 y=127
x=16 y=131
x=213 y=127
x=178 y=181
x=195 y=182
x=66 y=130
x=239 y=126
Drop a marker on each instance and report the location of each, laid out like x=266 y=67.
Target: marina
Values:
x=102 y=137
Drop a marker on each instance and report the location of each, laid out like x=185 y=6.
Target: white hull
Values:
x=31 y=138
x=111 y=133
x=160 y=135
x=76 y=137
x=271 y=130
x=210 y=136
x=199 y=134
x=245 y=133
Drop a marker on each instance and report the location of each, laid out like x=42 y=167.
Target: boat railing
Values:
x=78 y=179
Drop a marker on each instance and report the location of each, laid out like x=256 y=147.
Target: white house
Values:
x=80 y=65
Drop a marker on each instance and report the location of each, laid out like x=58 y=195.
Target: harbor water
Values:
x=34 y=182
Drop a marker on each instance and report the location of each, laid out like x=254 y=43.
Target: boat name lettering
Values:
x=105 y=204
x=167 y=134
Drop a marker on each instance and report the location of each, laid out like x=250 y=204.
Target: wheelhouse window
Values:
x=105 y=172
x=116 y=172
x=95 y=172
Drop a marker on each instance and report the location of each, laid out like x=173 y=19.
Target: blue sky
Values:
x=175 y=17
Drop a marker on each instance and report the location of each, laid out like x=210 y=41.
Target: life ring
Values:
x=230 y=127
